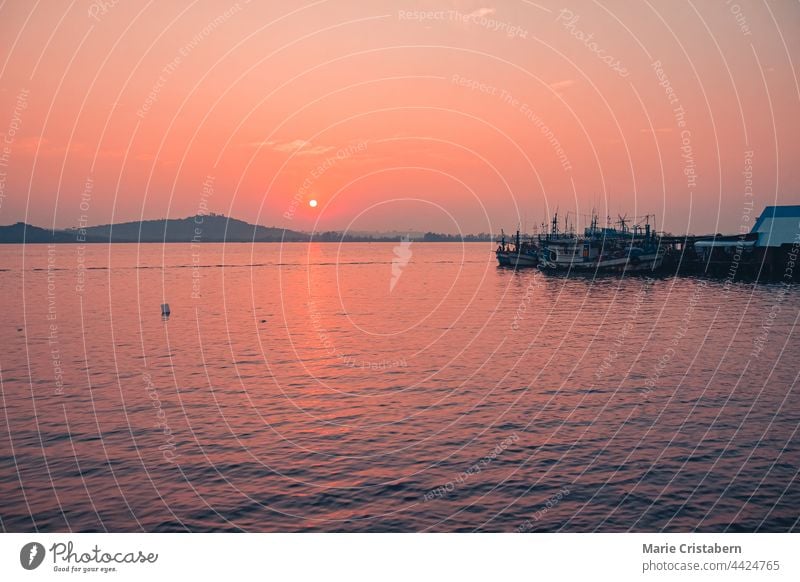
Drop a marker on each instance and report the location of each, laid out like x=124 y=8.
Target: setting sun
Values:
x=312 y=203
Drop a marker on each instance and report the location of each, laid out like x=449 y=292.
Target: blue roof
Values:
x=776 y=212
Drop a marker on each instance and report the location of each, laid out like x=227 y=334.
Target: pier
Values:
x=768 y=252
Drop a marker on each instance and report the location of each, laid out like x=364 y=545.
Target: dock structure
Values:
x=768 y=252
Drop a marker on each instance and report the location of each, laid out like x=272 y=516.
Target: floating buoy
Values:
x=165 y=310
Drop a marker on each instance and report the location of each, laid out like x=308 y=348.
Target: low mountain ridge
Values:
x=198 y=229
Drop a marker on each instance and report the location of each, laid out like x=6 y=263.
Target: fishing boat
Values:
x=519 y=253
x=602 y=249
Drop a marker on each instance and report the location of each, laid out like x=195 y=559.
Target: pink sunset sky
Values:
x=451 y=116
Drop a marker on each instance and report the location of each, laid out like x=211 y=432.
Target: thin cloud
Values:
x=481 y=12
x=316 y=150
x=298 y=147
x=562 y=84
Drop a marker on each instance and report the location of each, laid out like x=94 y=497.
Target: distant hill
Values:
x=21 y=232
x=210 y=228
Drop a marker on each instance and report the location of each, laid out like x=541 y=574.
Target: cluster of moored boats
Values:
x=598 y=249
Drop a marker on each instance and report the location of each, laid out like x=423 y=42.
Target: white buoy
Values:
x=165 y=309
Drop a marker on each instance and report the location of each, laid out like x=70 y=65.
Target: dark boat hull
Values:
x=512 y=259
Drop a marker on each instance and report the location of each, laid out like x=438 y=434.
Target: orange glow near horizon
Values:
x=448 y=116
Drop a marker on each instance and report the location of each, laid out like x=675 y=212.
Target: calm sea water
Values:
x=323 y=388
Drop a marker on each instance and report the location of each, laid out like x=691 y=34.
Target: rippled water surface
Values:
x=293 y=389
